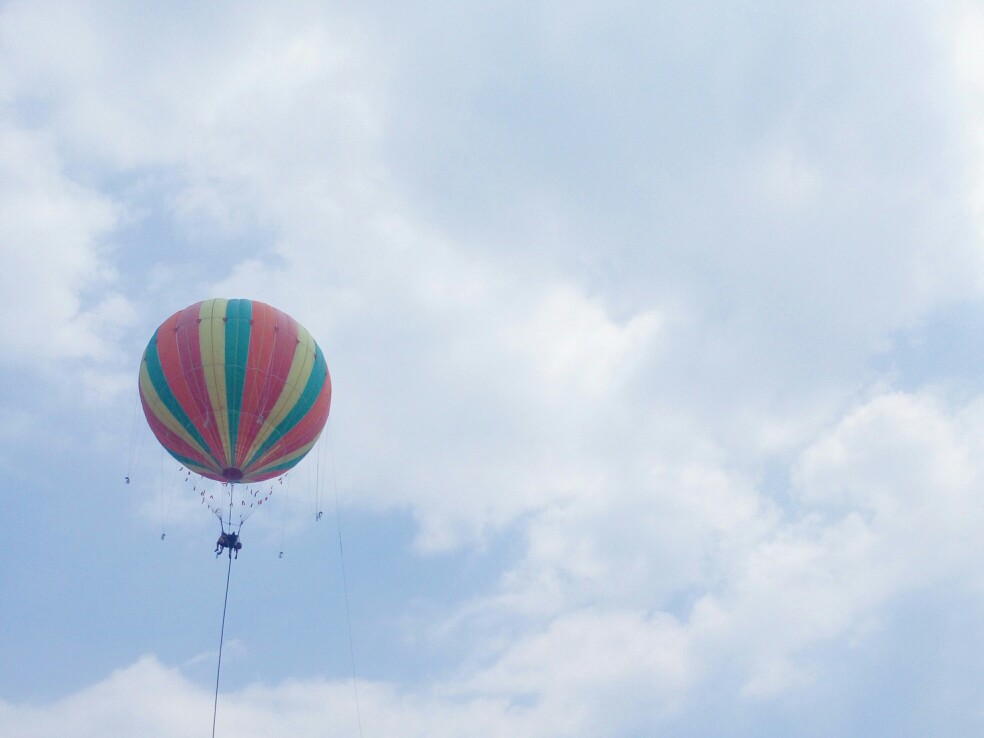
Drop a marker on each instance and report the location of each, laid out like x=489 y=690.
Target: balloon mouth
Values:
x=232 y=474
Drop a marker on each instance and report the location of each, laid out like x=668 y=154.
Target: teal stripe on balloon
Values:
x=316 y=380
x=237 y=328
x=190 y=463
x=309 y=395
x=157 y=378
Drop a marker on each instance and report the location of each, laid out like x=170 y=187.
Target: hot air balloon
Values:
x=235 y=390
x=238 y=392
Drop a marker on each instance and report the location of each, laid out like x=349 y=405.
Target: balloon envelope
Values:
x=235 y=390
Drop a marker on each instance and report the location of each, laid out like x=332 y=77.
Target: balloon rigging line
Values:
x=134 y=460
x=318 y=479
x=133 y=439
x=341 y=558
x=283 y=527
x=140 y=448
x=225 y=604
x=171 y=488
x=323 y=463
x=162 y=495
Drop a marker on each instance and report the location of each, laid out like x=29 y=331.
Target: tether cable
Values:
x=218 y=669
x=225 y=604
x=341 y=558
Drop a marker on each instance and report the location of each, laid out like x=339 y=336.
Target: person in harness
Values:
x=228 y=540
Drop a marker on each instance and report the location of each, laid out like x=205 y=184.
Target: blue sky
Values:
x=653 y=334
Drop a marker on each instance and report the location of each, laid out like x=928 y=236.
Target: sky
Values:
x=653 y=330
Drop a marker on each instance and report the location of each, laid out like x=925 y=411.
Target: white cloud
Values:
x=784 y=178
x=149 y=699
x=576 y=349
x=909 y=463
x=887 y=509
x=892 y=489
x=592 y=672
x=57 y=276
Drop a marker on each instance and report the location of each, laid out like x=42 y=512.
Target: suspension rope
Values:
x=341 y=558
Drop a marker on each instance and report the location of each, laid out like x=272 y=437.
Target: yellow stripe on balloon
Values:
x=297 y=377
x=211 y=335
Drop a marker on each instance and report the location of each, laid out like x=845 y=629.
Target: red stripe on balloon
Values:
x=272 y=369
x=168 y=338
x=193 y=377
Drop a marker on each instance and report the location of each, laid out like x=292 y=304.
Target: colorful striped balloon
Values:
x=235 y=389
